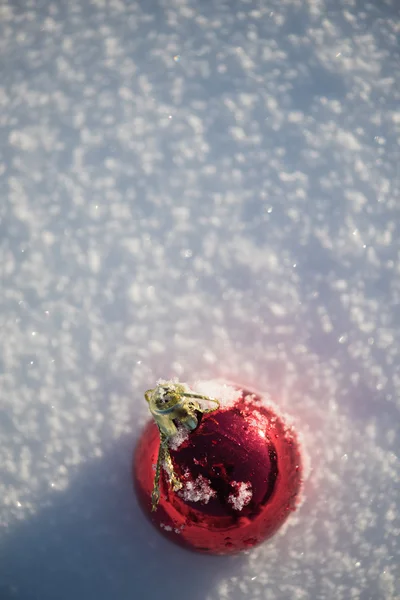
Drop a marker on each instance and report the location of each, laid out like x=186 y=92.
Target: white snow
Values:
x=177 y=440
x=242 y=495
x=226 y=394
x=163 y=168
x=199 y=490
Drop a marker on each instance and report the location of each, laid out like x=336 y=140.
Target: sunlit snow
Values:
x=207 y=191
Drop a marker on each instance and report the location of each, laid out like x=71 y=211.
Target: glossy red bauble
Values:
x=241 y=474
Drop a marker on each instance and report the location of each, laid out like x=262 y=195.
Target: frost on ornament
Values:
x=228 y=467
x=177 y=440
x=242 y=495
x=226 y=394
x=198 y=490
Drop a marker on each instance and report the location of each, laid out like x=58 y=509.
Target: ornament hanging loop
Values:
x=172 y=404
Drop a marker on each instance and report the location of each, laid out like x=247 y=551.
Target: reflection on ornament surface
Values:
x=240 y=471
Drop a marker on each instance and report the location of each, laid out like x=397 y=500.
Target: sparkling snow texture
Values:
x=242 y=495
x=226 y=394
x=177 y=440
x=199 y=490
x=201 y=190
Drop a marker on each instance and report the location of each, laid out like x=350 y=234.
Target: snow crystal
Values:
x=179 y=530
x=242 y=496
x=226 y=394
x=198 y=490
x=177 y=440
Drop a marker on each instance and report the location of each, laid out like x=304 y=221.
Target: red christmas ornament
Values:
x=234 y=470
